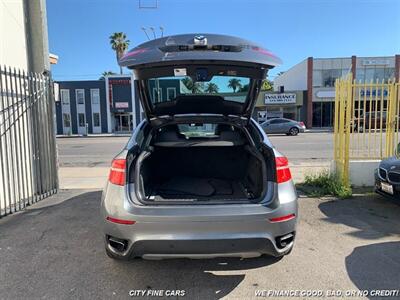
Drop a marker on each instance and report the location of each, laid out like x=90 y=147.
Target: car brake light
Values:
x=282 y=169
x=117 y=172
x=283 y=218
x=120 y=221
x=302 y=124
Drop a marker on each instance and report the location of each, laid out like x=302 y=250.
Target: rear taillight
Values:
x=282 y=169
x=120 y=221
x=117 y=172
x=283 y=218
x=302 y=124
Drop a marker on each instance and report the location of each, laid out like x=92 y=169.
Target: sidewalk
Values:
x=96 y=177
x=82 y=178
x=93 y=135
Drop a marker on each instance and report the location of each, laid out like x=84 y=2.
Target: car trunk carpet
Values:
x=184 y=187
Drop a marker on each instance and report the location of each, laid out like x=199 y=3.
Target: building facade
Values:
x=290 y=104
x=97 y=106
x=316 y=76
x=81 y=104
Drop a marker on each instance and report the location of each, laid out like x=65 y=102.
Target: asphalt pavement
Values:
x=99 y=151
x=54 y=250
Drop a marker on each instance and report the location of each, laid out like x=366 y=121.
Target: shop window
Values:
x=346 y=72
x=323 y=114
x=65 y=97
x=81 y=120
x=389 y=74
x=379 y=74
x=360 y=75
x=317 y=78
x=327 y=114
x=95 y=96
x=369 y=74
x=329 y=77
x=96 y=119
x=290 y=112
x=67 y=120
x=80 y=96
x=317 y=109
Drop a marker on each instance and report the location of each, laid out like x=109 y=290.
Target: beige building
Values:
x=316 y=76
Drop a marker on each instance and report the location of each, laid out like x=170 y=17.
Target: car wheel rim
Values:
x=293 y=131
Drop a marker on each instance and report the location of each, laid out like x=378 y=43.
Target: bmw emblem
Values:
x=200 y=40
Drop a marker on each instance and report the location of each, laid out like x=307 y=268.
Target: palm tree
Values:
x=119 y=44
x=212 y=88
x=193 y=87
x=234 y=84
x=106 y=73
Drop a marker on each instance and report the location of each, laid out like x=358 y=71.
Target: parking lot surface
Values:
x=54 y=250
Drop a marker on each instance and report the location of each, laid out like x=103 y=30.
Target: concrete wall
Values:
x=13 y=44
x=293 y=79
x=362 y=172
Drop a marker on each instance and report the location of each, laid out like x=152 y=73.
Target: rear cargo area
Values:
x=220 y=167
x=201 y=173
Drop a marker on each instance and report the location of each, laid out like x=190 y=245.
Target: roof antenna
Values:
x=144 y=29
x=154 y=34
x=162 y=31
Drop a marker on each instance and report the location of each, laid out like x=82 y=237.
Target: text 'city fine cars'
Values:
x=199 y=177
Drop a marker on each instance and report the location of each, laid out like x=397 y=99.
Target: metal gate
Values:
x=367 y=121
x=28 y=164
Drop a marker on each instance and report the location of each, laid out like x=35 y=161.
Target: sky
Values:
x=79 y=30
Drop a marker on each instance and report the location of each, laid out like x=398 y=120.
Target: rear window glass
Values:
x=198 y=130
x=231 y=88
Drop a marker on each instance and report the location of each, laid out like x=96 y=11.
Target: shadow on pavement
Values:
x=375 y=267
x=57 y=252
x=373 y=216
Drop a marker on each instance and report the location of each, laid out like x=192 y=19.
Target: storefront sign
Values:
x=284 y=98
x=373 y=92
x=375 y=62
x=325 y=94
x=121 y=105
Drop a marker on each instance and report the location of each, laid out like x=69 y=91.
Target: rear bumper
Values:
x=242 y=247
x=198 y=231
x=251 y=236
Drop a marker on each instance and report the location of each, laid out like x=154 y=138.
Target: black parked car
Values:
x=387 y=176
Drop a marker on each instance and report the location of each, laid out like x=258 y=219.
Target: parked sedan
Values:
x=282 y=125
x=199 y=177
x=387 y=176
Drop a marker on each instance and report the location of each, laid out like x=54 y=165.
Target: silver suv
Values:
x=199 y=177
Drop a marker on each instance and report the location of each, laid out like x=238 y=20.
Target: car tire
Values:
x=294 y=131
